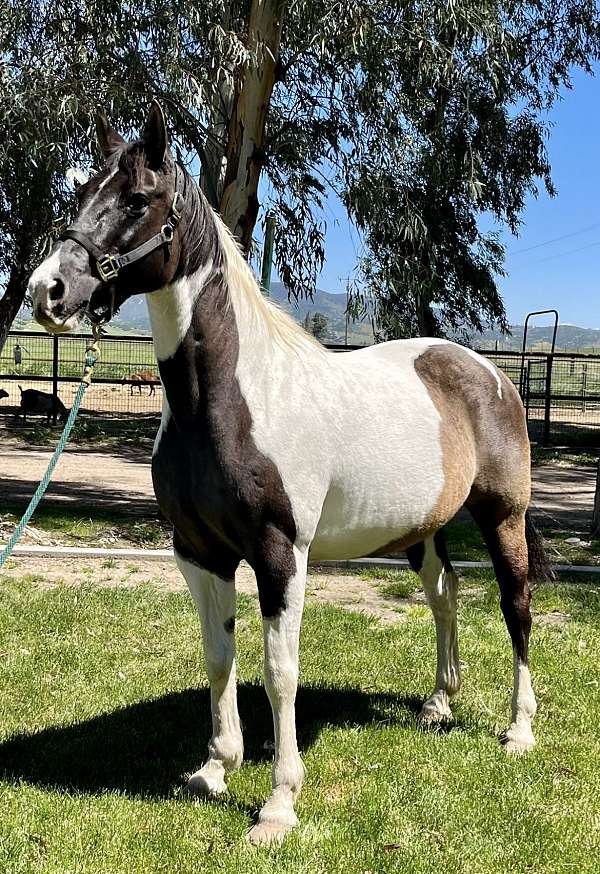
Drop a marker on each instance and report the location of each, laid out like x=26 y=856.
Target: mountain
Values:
x=133 y=315
x=569 y=338
x=133 y=318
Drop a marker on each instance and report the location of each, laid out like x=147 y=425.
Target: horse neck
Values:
x=212 y=326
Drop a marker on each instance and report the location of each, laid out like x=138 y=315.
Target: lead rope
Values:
x=91 y=357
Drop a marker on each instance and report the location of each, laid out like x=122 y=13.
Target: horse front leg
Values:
x=281 y=585
x=215 y=601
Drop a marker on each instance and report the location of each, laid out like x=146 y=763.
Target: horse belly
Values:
x=379 y=501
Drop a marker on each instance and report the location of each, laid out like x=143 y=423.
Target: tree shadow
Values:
x=145 y=748
x=82 y=496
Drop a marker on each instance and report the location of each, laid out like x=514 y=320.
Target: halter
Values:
x=107 y=265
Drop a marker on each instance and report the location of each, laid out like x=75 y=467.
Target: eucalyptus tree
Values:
x=460 y=133
x=419 y=115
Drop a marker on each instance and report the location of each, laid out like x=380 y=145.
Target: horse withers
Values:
x=273 y=450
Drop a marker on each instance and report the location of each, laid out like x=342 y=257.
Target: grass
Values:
x=103 y=707
x=89 y=526
x=110 y=433
x=564 y=456
x=465 y=542
x=392 y=583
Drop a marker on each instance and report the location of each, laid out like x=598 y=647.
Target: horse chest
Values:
x=220 y=494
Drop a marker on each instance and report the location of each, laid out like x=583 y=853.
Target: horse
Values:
x=274 y=450
x=143 y=377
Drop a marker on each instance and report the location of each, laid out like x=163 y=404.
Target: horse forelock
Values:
x=132 y=161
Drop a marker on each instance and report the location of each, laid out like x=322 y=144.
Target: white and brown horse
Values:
x=275 y=451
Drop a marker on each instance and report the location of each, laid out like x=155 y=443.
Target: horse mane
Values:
x=255 y=313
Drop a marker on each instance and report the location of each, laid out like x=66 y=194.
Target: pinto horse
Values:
x=274 y=450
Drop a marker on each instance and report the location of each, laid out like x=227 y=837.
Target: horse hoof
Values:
x=265 y=834
x=202 y=785
x=434 y=712
x=518 y=741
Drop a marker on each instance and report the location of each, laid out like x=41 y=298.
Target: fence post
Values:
x=55 y=376
x=583 y=386
x=267 y=261
x=547 y=399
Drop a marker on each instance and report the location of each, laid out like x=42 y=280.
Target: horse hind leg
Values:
x=505 y=536
x=440 y=583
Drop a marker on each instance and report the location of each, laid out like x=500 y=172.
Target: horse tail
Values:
x=540 y=569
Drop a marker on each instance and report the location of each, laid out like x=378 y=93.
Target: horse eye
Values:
x=137 y=203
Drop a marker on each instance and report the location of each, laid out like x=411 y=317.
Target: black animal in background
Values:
x=41 y=403
x=3 y=393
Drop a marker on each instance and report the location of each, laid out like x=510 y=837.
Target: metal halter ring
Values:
x=107 y=268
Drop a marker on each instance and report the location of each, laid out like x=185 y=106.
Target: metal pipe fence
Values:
x=126 y=384
x=560 y=391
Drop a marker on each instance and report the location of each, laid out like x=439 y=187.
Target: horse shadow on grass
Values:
x=145 y=748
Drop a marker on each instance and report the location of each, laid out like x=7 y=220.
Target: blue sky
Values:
x=551 y=275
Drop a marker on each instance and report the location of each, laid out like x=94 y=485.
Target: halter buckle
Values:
x=107 y=268
x=177 y=206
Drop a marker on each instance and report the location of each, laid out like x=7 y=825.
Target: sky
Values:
x=558 y=273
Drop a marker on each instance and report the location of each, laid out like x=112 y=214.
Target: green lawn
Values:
x=103 y=707
x=77 y=526
x=465 y=543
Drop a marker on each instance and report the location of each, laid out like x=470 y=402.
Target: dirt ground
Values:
x=323 y=585
x=100 y=398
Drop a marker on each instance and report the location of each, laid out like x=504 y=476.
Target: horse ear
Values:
x=155 y=138
x=108 y=139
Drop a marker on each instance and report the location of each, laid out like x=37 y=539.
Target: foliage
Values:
x=316 y=324
x=459 y=134
x=420 y=116
x=320 y=326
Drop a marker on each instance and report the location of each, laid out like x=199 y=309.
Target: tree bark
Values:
x=13 y=297
x=219 y=113
x=244 y=153
x=426 y=321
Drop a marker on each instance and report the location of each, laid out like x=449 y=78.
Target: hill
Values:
x=133 y=319
x=133 y=315
x=569 y=338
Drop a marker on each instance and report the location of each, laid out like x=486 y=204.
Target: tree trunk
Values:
x=219 y=114
x=244 y=153
x=426 y=321
x=12 y=299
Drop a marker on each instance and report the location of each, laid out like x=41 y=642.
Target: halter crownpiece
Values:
x=107 y=265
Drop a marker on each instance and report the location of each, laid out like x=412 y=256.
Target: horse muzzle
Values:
x=59 y=300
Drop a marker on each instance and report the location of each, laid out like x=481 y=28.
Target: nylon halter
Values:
x=109 y=265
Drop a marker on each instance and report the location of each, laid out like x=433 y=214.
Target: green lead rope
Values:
x=91 y=357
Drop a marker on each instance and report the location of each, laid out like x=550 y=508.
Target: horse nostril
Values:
x=57 y=290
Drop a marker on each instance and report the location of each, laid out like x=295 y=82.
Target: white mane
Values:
x=255 y=314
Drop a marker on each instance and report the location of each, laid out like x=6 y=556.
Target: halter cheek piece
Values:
x=107 y=265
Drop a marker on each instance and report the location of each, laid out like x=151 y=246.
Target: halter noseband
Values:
x=107 y=265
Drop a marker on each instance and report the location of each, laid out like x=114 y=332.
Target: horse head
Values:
x=124 y=239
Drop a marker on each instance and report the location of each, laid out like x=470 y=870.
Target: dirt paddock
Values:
x=100 y=399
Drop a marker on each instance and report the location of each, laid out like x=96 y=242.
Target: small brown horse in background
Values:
x=143 y=377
